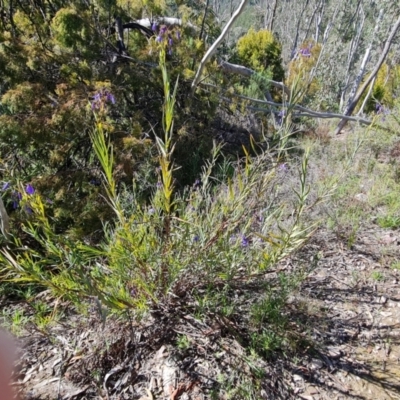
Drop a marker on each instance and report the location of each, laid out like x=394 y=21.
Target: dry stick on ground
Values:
x=357 y=97
x=214 y=46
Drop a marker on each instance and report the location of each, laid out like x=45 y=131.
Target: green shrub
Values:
x=261 y=51
x=208 y=236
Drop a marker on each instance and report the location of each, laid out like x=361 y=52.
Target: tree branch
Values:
x=303 y=111
x=214 y=46
x=241 y=70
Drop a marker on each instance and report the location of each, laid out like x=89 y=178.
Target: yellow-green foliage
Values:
x=301 y=67
x=261 y=51
x=386 y=83
x=54 y=62
x=69 y=27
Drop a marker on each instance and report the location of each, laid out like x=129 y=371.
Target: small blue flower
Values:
x=196 y=239
x=158 y=39
x=245 y=241
x=16 y=196
x=94 y=182
x=283 y=167
x=110 y=97
x=154 y=26
x=6 y=186
x=29 y=189
x=306 y=51
x=163 y=30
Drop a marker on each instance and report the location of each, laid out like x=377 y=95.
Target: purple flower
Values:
x=280 y=117
x=159 y=185
x=163 y=30
x=170 y=41
x=196 y=238
x=6 y=186
x=29 y=189
x=380 y=109
x=283 y=167
x=28 y=210
x=154 y=26
x=110 y=97
x=305 y=52
x=178 y=35
x=102 y=97
x=159 y=39
x=16 y=196
x=245 y=241
x=94 y=182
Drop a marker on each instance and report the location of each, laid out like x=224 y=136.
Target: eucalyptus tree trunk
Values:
x=353 y=101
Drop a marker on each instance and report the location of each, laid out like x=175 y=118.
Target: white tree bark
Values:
x=147 y=22
x=302 y=111
x=364 y=63
x=214 y=46
x=371 y=77
x=241 y=70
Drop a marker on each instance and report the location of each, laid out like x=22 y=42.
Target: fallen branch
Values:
x=244 y=71
x=304 y=112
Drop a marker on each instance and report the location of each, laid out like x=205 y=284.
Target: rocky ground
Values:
x=347 y=309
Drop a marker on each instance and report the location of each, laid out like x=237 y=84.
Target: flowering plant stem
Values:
x=164 y=146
